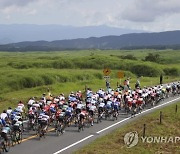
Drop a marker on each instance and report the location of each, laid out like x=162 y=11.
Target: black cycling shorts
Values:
x=4 y=136
x=91 y=113
x=82 y=117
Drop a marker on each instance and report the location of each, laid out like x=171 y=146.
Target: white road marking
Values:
x=112 y=126
x=73 y=144
x=137 y=115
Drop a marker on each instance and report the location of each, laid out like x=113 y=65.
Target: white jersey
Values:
x=9 y=111
x=6 y=130
x=4 y=116
x=19 y=109
x=16 y=118
x=36 y=105
x=109 y=103
x=31 y=101
x=101 y=104
x=92 y=108
x=56 y=100
x=61 y=98
x=18 y=123
x=79 y=106
x=100 y=100
x=45 y=117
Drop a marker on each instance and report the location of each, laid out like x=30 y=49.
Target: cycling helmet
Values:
x=7 y=125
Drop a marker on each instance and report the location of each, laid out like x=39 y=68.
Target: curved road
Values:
x=71 y=140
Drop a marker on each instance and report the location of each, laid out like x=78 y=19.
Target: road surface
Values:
x=71 y=140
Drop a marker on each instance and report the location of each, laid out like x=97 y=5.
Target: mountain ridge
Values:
x=30 y=32
x=134 y=40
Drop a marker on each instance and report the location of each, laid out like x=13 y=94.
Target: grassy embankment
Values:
x=23 y=75
x=113 y=143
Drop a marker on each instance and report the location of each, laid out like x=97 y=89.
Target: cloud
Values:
x=32 y=12
x=134 y=14
x=150 y=10
x=9 y=3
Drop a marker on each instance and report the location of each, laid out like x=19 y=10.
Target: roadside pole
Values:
x=107 y=72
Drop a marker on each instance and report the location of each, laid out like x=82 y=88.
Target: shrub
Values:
x=153 y=57
x=145 y=70
x=129 y=56
x=48 y=79
x=171 y=71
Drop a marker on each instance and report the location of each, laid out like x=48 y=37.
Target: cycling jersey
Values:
x=92 y=108
x=31 y=102
x=69 y=109
x=101 y=104
x=3 y=115
x=9 y=111
x=79 y=106
x=65 y=107
x=18 y=123
x=6 y=129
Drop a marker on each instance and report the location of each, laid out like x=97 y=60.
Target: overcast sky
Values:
x=150 y=15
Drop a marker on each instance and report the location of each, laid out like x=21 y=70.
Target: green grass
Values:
x=113 y=143
x=26 y=74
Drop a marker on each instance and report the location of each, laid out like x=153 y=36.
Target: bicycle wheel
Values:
x=13 y=139
x=19 y=137
x=58 y=130
x=79 y=127
x=7 y=145
x=39 y=134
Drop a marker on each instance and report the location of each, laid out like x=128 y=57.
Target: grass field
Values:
x=113 y=143
x=27 y=74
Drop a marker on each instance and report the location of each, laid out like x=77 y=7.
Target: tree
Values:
x=152 y=57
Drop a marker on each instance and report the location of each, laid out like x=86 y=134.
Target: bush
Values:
x=153 y=57
x=171 y=71
x=129 y=56
x=48 y=79
x=145 y=70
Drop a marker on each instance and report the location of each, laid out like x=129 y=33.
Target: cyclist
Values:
x=60 y=117
x=5 y=131
x=9 y=110
x=43 y=121
x=4 y=116
x=116 y=105
x=21 y=108
x=92 y=110
x=82 y=116
x=18 y=125
x=79 y=107
x=68 y=114
x=69 y=111
x=30 y=102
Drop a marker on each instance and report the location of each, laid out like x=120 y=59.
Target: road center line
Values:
x=112 y=126
x=31 y=137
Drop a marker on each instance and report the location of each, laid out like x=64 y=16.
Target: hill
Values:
x=161 y=40
x=28 y=32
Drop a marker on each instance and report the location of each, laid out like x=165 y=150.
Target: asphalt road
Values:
x=71 y=140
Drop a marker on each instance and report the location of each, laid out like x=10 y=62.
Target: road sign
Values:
x=106 y=77
x=120 y=74
x=106 y=71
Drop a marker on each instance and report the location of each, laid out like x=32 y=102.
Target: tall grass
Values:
x=21 y=73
